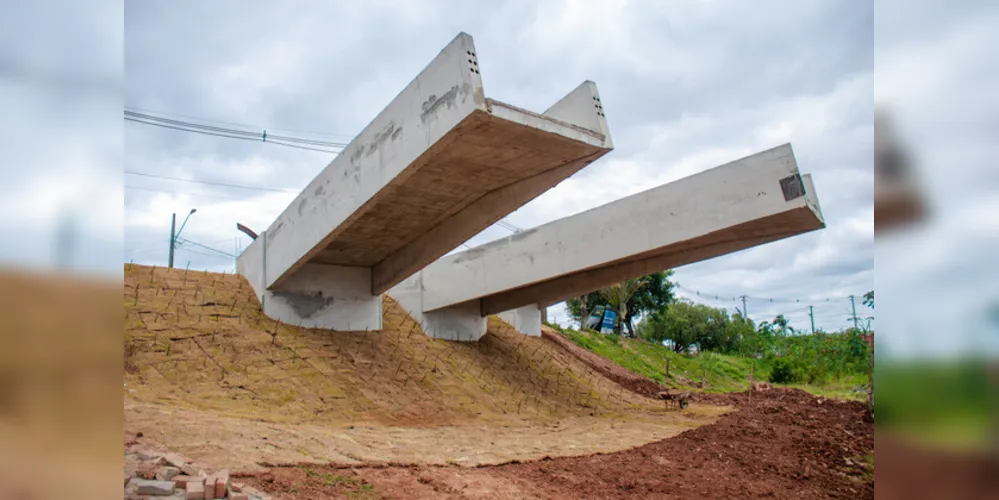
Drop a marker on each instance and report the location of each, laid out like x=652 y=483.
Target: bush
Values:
x=783 y=372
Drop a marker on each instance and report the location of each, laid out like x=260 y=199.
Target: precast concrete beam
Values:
x=745 y=203
x=438 y=165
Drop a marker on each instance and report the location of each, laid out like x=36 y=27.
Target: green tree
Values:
x=685 y=323
x=655 y=294
x=869 y=299
x=617 y=297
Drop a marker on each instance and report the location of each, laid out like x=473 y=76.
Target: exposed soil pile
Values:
x=910 y=472
x=209 y=376
x=622 y=376
x=785 y=444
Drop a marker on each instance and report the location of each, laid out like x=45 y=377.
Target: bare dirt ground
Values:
x=312 y=414
x=217 y=441
x=786 y=444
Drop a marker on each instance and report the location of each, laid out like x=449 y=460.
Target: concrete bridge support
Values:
x=751 y=201
x=438 y=165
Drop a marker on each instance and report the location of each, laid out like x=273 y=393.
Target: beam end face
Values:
x=582 y=107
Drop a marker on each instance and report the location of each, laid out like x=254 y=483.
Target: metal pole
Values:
x=173 y=241
x=745 y=312
x=811 y=315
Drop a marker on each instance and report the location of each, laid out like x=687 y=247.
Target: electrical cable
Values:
x=213 y=183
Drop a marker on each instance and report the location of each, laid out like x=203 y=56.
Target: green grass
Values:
x=942 y=404
x=723 y=373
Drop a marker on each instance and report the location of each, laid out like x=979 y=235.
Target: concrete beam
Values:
x=438 y=165
x=745 y=203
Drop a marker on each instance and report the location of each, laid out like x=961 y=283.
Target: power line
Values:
x=206 y=247
x=167 y=191
x=230 y=136
x=214 y=183
x=136 y=110
x=262 y=135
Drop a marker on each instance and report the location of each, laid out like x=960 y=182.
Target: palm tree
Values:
x=618 y=295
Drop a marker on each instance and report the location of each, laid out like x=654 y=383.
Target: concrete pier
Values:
x=438 y=165
x=748 y=202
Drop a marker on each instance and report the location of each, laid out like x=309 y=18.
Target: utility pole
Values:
x=811 y=315
x=745 y=313
x=173 y=240
x=174 y=235
x=853 y=306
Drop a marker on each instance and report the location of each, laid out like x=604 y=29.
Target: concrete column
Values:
x=526 y=320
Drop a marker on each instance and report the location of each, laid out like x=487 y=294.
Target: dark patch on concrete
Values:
x=386 y=134
x=273 y=233
x=792 y=187
x=304 y=304
x=434 y=103
x=356 y=155
x=301 y=205
x=319 y=191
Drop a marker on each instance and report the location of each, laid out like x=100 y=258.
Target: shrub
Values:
x=783 y=372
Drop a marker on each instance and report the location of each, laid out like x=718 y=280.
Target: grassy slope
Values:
x=723 y=373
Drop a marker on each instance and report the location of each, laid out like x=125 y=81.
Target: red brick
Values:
x=221 y=483
x=181 y=481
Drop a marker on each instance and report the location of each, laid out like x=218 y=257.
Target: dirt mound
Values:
x=622 y=376
x=209 y=376
x=785 y=444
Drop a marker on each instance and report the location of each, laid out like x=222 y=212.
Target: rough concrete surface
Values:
x=438 y=165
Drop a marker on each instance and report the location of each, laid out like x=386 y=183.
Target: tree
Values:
x=685 y=323
x=869 y=299
x=617 y=297
x=656 y=294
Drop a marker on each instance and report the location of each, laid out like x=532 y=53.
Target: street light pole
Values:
x=175 y=235
x=173 y=225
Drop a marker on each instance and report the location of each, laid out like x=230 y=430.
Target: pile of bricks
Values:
x=151 y=475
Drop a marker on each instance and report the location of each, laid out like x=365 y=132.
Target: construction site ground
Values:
x=303 y=413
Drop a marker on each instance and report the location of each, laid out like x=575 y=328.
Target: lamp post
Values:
x=174 y=235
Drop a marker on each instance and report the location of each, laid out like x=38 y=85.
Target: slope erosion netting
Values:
x=199 y=340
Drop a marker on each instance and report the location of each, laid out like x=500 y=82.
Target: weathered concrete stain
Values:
x=304 y=304
x=389 y=132
x=319 y=191
x=274 y=232
x=434 y=103
x=302 y=204
x=386 y=134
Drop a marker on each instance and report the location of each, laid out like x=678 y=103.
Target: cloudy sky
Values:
x=686 y=86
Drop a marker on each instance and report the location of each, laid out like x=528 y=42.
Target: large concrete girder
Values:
x=438 y=165
x=745 y=203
